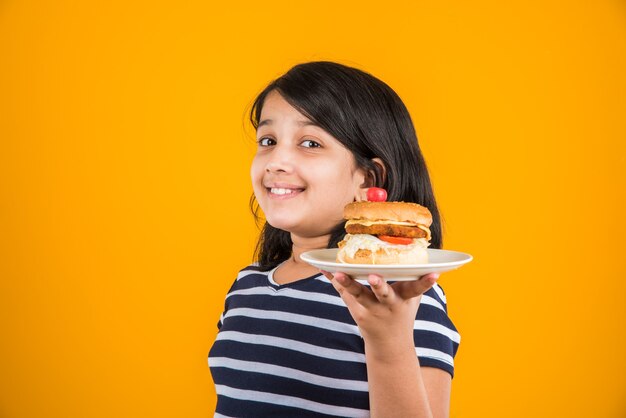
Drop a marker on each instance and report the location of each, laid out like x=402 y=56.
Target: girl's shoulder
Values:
x=251 y=267
x=251 y=270
x=249 y=276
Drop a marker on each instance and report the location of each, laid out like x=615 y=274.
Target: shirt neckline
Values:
x=270 y=279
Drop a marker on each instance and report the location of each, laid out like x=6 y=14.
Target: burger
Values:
x=385 y=233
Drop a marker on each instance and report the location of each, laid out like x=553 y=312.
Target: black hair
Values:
x=370 y=120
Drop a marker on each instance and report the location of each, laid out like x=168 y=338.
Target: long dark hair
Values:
x=370 y=120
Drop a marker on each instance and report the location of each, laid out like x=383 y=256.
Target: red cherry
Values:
x=376 y=194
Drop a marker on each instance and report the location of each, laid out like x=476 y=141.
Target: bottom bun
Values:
x=416 y=255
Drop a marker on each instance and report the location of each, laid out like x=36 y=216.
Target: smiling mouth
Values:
x=281 y=191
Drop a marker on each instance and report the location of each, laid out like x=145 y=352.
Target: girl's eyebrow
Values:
x=304 y=122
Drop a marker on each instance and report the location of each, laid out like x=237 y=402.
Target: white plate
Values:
x=439 y=262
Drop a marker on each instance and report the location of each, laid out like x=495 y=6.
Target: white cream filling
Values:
x=356 y=242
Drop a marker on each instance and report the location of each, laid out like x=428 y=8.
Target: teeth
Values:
x=281 y=191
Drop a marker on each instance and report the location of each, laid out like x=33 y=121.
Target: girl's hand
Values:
x=384 y=313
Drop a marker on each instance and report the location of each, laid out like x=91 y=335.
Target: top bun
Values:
x=389 y=211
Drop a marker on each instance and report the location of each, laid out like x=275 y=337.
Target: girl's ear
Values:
x=375 y=177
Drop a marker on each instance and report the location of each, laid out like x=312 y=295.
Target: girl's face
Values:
x=301 y=175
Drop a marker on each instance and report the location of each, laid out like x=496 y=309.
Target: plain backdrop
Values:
x=124 y=188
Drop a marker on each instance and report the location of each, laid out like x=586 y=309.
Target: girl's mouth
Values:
x=283 y=192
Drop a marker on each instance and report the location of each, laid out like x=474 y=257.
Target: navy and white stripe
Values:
x=294 y=350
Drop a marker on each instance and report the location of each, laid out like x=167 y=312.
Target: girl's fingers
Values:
x=346 y=284
x=378 y=292
x=381 y=289
x=414 y=288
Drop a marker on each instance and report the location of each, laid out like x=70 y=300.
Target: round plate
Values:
x=439 y=262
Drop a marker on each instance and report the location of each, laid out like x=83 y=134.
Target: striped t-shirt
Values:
x=293 y=350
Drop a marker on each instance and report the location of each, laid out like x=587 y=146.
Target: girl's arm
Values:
x=385 y=314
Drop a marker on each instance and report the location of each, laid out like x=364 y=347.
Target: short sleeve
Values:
x=436 y=338
x=220 y=322
x=235 y=286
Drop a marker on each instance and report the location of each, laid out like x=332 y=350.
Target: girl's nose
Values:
x=273 y=167
x=278 y=167
x=281 y=162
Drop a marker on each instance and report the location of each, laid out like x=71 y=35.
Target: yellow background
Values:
x=124 y=190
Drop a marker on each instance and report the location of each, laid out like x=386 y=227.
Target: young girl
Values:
x=297 y=342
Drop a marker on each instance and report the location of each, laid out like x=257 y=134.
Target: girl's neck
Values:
x=294 y=268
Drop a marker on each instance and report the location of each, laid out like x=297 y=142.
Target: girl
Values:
x=294 y=342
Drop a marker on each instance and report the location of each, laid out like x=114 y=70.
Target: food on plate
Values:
x=385 y=233
x=376 y=194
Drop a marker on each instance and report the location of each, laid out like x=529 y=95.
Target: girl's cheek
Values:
x=256 y=170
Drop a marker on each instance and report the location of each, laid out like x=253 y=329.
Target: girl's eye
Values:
x=266 y=142
x=308 y=143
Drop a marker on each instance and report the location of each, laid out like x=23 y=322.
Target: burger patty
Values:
x=386 y=229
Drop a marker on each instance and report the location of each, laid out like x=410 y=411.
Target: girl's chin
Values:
x=304 y=230
x=283 y=224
